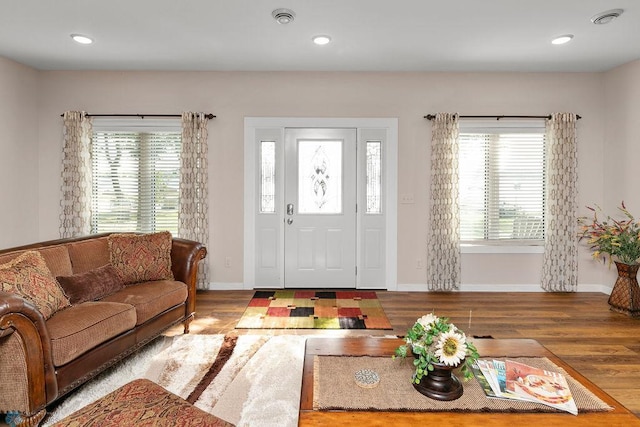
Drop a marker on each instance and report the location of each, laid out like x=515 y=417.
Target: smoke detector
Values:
x=606 y=17
x=283 y=16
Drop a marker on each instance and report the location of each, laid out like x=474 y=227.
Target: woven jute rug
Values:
x=335 y=389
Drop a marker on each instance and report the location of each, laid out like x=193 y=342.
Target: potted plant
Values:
x=619 y=241
x=438 y=347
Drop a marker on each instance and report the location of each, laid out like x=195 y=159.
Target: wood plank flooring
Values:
x=602 y=345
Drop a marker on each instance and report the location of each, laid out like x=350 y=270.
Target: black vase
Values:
x=440 y=384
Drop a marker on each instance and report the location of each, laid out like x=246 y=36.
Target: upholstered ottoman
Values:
x=141 y=403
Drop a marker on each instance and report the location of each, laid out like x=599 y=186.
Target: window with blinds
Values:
x=502 y=186
x=136 y=178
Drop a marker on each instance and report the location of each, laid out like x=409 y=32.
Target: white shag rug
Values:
x=259 y=385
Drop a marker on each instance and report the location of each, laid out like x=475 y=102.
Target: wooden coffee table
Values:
x=619 y=416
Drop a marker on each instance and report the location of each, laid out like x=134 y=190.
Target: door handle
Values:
x=290 y=209
x=289 y=221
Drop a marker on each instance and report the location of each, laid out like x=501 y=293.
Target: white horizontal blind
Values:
x=502 y=186
x=136 y=176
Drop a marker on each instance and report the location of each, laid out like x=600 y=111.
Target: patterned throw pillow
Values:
x=28 y=276
x=141 y=257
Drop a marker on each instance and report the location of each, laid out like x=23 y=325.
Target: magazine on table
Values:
x=485 y=383
x=540 y=385
x=490 y=373
x=501 y=374
x=518 y=381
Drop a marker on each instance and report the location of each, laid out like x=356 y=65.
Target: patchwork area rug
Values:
x=249 y=380
x=314 y=310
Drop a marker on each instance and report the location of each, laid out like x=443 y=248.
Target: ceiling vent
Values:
x=283 y=16
x=606 y=17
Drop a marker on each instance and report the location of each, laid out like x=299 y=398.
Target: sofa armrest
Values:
x=185 y=256
x=19 y=316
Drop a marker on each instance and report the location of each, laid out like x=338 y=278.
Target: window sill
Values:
x=501 y=249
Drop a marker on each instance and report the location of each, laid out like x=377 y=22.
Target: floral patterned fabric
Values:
x=28 y=276
x=141 y=258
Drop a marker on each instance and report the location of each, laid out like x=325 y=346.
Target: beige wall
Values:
x=622 y=136
x=407 y=96
x=621 y=142
x=19 y=178
x=31 y=138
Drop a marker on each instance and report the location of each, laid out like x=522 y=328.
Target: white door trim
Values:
x=250 y=199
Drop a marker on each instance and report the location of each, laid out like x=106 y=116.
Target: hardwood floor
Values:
x=602 y=345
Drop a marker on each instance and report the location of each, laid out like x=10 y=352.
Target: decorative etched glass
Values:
x=374 y=177
x=319 y=177
x=267 y=176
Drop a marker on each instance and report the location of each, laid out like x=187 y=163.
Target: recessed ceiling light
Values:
x=606 y=17
x=321 y=40
x=79 y=38
x=566 y=38
x=283 y=16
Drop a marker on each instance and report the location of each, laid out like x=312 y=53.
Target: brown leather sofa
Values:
x=42 y=360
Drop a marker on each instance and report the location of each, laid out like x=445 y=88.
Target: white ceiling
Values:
x=368 y=35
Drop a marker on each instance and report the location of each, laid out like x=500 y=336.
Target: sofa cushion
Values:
x=141 y=258
x=151 y=298
x=91 y=285
x=81 y=327
x=88 y=255
x=5 y=258
x=28 y=276
x=57 y=259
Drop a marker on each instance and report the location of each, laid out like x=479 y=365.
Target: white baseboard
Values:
x=471 y=287
x=225 y=286
x=595 y=288
x=421 y=287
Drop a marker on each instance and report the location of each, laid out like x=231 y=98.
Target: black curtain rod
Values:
x=433 y=116
x=142 y=116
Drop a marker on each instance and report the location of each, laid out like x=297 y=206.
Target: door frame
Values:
x=278 y=125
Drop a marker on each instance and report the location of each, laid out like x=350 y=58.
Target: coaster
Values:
x=366 y=378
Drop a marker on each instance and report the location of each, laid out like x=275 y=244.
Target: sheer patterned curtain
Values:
x=443 y=244
x=193 y=215
x=560 y=264
x=75 y=188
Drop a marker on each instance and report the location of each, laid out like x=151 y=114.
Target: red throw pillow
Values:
x=91 y=285
x=141 y=258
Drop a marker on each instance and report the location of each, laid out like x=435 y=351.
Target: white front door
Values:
x=320 y=213
x=322 y=175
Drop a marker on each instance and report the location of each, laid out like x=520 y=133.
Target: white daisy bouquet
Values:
x=433 y=340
